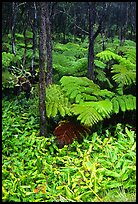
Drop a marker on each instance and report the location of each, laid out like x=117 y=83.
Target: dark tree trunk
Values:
x=92 y=14
x=34 y=29
x=122 y=25
x=25 y=48
x=92 y=35
x=49 y=46
x=14 y=15
x=103 y=44
x=42 y=75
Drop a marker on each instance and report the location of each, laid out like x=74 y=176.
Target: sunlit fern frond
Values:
x=56 y=101
x=124 y=102
x=80 y=89
x=107 y=55
x=123 y=75
x=90 y=113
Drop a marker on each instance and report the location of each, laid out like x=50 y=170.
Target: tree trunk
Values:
x=34 y=29
x=25 y=48
x=42 y=69
x=92 y=14
x=49 y=46
x=14 y=14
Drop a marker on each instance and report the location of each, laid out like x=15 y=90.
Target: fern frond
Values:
x=124 y=102
x=106 y=94
x=56 y=101
x=78 y=88
x=89 y=113
x=82 y=89
x=107 y=55
x=123 y=75
x=99 y=64
x=66 y=132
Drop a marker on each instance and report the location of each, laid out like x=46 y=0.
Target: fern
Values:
x=80 y=89
x=83 y=98
x=123 y=75
x=56 y=102
x=125 y=69
x=99 y=64
x=107 y=55
x=129 y=52
x=92 y=112
x=67 y=131
x=124 y=102
x=70 y=59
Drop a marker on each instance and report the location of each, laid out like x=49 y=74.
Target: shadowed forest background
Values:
x=68 y=101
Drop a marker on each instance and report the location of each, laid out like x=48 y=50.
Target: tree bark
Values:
x=14 y=14
x=34 y=29
x=49 y=46
x=25 y=48
x=92 y=14
x=42 y=69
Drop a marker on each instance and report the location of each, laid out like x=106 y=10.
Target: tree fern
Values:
x=123 y=75
x=124 y=69
x=83 y=98
x=129 y=53
x=107 y=55
x=124 y=102
x=89 y=113
x=81 y=89
x=67 y=131
x=99 y=64
x=56 y=102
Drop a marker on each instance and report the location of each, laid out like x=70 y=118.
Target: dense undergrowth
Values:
x=101 y=168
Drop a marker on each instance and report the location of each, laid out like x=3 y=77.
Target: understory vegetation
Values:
x=100 y=168
x=89 y=154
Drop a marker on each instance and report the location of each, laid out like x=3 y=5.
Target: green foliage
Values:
x=99 y=64
x=125 y=102
x=35 y=170
x=124 y=68
x=92 y=112
x=83 y=98
x=122 y=75
x=56 y=101
x=79 y=88
x=8 y=80
x=107 y=55
x=69 y=59
x=6 y=59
